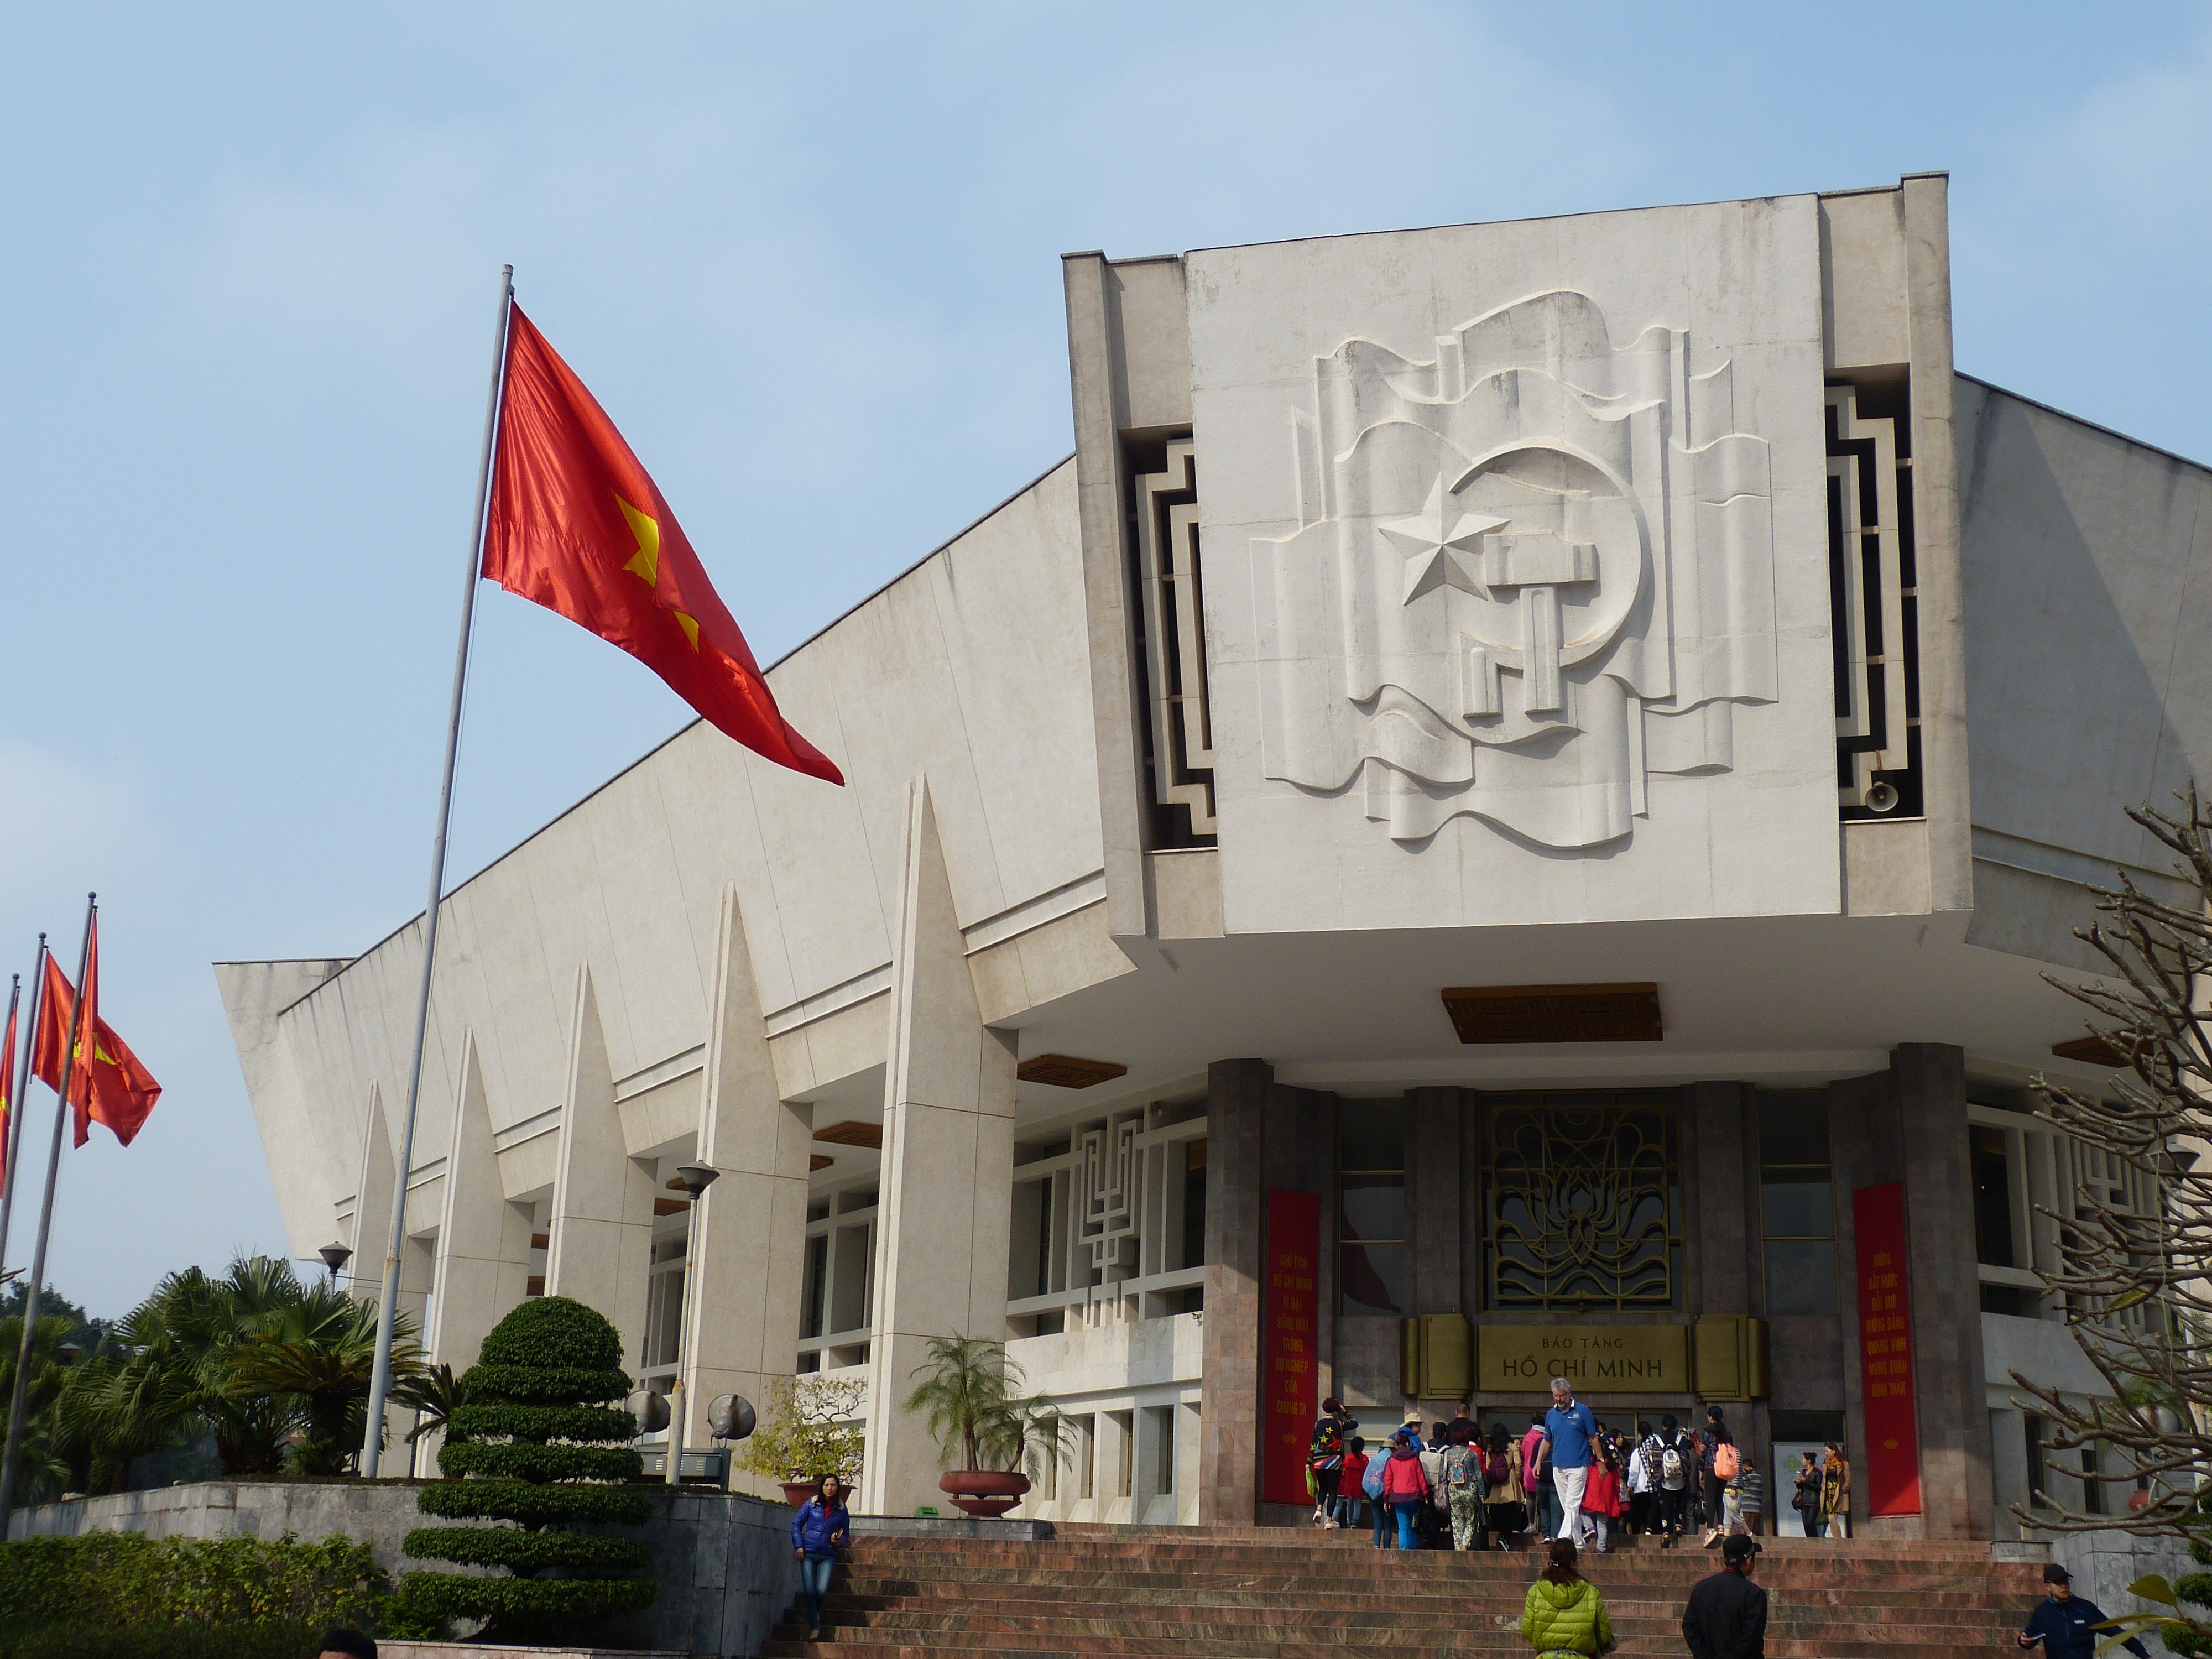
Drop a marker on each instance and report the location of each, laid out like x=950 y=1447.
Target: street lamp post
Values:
x=695 y=1179
x=335 y=1257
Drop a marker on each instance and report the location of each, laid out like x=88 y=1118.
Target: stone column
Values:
x=601 y=1248
x=749 y=1233
x=1956 y=1495
x=1229 y=1427
x=483 y=1241
x=947 y=1186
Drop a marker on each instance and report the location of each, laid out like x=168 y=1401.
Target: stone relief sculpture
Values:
x=1530 y=572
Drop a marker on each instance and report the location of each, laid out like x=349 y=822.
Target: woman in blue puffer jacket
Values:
x=818 y=1531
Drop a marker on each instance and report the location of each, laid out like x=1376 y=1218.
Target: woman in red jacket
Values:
x=1405 y=1485
x=1601 y=1493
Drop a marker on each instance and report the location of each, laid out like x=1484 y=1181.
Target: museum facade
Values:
x=1504 y=814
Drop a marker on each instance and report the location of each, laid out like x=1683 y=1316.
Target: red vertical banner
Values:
x=1892 y=1422
x=1289 y=1379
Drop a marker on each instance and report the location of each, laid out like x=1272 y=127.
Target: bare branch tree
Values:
x=2132 y=1271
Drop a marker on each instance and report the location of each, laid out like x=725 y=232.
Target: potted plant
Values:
x=808 y=1432
x=970 y=1394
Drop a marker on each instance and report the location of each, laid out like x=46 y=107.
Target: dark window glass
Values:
x=1798 y=1208
x=1801 y=1276
x=1370 y=1161
x=1371 y=1278
x=2012 y=1299
x=1372 y=1135
x=2039 y=1480
x=1992 y=1197
x=1793 y=1125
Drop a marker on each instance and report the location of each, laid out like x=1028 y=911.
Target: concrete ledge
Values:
x=926 y=1526
x=388 y=1649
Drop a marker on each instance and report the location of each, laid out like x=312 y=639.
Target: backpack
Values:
x=1670 y=1461
x=1372 y=1483
x=1496 y=1470
x=1726 y=1463
x=1461 y=1467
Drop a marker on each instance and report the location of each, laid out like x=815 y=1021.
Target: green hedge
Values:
x=533 y=1506
x=510 y=1546
x=521 y=1605
x=167 y=1642
x=109 y=1582
x=554 y=1332
x=527 y=1462
x=541 y=1423
x=558 y=1384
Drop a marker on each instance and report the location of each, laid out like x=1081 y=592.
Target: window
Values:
x=1993 y=1226
x=1370 y=1163
x=1796 y=1201
x=1582 y=1206
x=2038 y=1476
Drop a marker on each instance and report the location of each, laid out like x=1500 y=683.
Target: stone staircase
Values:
x=1252 y=1593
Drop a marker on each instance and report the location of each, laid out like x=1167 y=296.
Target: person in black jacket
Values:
x=1726 y=1615
x=2066 y=1623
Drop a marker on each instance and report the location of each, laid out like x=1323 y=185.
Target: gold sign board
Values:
x=1596 y=1358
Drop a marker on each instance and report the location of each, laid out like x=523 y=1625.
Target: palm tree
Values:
x=45 y=1470
x=967 y=1396
x=255 y=1358
x=433 y=1394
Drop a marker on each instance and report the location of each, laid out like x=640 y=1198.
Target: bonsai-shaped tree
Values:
x=526 y=1449
x=809 y=1431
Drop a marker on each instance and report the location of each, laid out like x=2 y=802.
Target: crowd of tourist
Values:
x=1568 y=1475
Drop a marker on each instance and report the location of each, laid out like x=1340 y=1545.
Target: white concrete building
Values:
x=1563 y=748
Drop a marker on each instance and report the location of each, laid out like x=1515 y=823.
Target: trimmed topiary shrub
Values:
x=535 y=1448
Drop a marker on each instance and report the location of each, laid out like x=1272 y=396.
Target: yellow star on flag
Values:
x=645 y=563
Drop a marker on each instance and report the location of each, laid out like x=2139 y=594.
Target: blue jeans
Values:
x=1407 y=1541
x=814 y=1579
x=1381 y=1521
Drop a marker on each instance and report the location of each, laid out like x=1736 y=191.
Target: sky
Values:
x=808 y=259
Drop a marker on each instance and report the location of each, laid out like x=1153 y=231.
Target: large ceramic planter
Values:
x=796 y=1492
x=985 y=1494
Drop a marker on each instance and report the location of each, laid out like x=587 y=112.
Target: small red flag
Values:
x=578 y=527
x=107 y=1084
x=7 y=1081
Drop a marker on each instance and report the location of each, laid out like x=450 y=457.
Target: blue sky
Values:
x=808 y=258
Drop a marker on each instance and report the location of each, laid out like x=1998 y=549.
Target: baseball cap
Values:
x=1738 y=1548
x=2055 y=1574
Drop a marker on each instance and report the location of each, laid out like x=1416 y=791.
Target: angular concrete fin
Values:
x=932 y=1056
x=947 y=1171
x=372 y=1204
x=255 y=995
x=749 y=1232
x=601 y=1248
x=483 y=1241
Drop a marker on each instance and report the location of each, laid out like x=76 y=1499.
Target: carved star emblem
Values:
x=1434 y=539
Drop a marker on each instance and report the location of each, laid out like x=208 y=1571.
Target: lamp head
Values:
x=335 y=1257
x=697 y=1177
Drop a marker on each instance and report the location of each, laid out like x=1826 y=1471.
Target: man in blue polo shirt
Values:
x=1569 y=1427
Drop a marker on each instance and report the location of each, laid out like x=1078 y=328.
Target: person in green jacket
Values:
x=1565 y=1611
x=1565 y=1614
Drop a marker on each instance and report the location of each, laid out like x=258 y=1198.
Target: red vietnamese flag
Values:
x=107 y=1084
x=577 y=525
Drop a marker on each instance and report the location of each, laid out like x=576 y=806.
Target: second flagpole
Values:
x=379 y=1386
x=12 y=1458
x=27 y=1034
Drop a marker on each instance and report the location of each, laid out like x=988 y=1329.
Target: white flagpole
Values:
x=18 y=1087
x=16 y=1404
x=379 y=1386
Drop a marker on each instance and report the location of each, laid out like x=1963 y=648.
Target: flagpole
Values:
x=16 y=1401
x=379 y=1386
x=17 y=1086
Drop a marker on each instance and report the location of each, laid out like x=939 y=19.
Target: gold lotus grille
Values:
x=1580 y=1203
